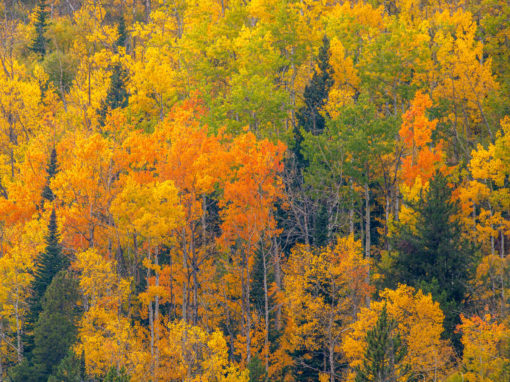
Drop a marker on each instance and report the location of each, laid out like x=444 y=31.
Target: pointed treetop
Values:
x=52 y=170
x=40 y=42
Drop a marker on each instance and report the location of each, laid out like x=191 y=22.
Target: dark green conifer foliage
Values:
x=117 y=95
x=115 y=375
x=40 y=42
x=436 y=258
x=316 y=95
x=55 y=330
x=121 y=30
x=47 y=193
x=53 y=333
x=257 y=370
x=384 y=354
x=320 y=226
x=317 y=92
x=49 y=263
x=257 y=281
x=70 y=369
x=23 y=372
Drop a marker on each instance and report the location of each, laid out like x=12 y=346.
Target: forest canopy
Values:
x=264 y=190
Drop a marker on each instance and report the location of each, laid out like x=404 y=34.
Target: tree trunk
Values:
x=331 y=349
x=351 y=211
x=1 y=354
x=184 y=284
x=245 y=286
x=147 y=11
x=278 y=281
x=502 y=255
x=156 y=311
x=151 y=316
x=266 y=312
x=19 y=343
x=367 y=231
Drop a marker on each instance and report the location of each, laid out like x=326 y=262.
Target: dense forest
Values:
x=264 y=190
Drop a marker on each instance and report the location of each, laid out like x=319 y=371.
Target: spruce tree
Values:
x=121 y=30
x=117 y=95
x=434 y=257
x=53 y=333
x=56 y=330
x=40 y=42
x=70 y=369
x=315 y=96
x=48 y=264
x=317 y=92
x=310 y=120
x=115 y=375
x=47 y=193
x=384 y=354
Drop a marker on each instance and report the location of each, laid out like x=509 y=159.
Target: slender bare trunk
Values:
x=19 y=344
x=147 y=11
x=266 y=312
x=151 y=315
x=156 y=311
x=278 y=280
x=245 y=286
x=502 y=255
x=367 y=232
x=331 y=349
x=184 y=284
x=1 y=353
x=387 y=221
x=351 y=212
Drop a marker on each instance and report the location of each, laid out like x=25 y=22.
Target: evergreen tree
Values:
x=317 y=92
x=115 y=375
x=384 y=354
x=309 y=120
x=49 y=263
x=70 y=369
x=117 y=95
x=435 y=258
x=54 y=332
x=320 y=224
x=47 y=193
x=257 y=370
x=316 y=95
x=121 y=30
x=257 y=293
x=40 y=42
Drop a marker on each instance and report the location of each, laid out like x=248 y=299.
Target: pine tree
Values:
x=40 y=42
x=47 y=193
x=49 y=263
x=436 y=258
x=384 y=354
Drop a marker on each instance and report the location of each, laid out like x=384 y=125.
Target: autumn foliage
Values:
x=271 y=190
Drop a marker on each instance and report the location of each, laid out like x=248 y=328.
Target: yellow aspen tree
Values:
x=419 y=324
